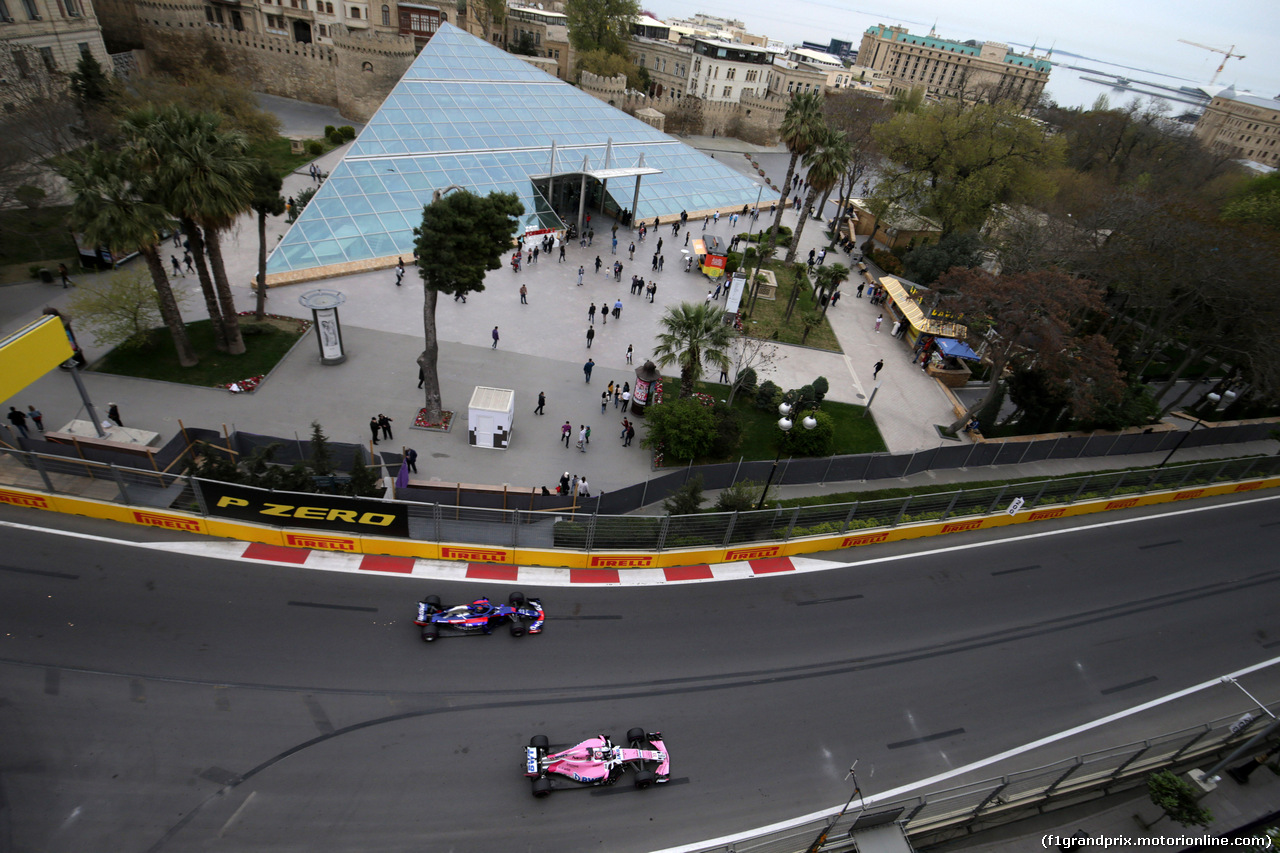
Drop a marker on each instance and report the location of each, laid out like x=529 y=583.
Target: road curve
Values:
x=161 y=703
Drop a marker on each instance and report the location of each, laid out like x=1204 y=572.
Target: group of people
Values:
x=379 y=423
x=576 y=486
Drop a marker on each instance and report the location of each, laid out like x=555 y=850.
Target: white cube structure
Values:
x=489 y=417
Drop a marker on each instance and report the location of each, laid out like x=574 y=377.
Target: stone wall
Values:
x=354 y=74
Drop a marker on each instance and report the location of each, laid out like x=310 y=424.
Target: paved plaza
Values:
x=542 y=348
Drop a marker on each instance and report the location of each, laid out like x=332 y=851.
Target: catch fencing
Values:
x=940 y=815
x=588 y=529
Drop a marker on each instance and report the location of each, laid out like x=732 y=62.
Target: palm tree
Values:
x=205 y=177
x=112 y=211
x=800 y=128
x=266 y=202
x=827 y=160
x=693 y=334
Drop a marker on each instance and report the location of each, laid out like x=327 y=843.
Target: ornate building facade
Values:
x=1242 y=126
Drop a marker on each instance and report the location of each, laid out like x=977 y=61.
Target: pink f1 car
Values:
x=596 y=761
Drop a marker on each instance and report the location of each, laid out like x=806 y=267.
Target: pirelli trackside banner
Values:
x=314 y=512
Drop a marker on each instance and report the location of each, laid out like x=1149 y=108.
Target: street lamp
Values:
x=1213 y=397
x=784 y=423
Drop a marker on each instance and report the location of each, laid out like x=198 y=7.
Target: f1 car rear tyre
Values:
x=539 y=742
x=430 y=633
x=635 y=735
x=542 y=787
x=433 y=600
x=516 y=599
x=517 y=628
x=644 y=778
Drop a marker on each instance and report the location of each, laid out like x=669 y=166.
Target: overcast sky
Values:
x=1141 y=33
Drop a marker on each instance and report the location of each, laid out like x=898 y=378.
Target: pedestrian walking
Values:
x=582 y=439
x=875 y=371
x=495 y=338
x=583 y=489
x=565 y=432
x=373 y=429
x=411 y=459
x=177 y=270
x=588 y=434
x=573 y=486
x=385 y=423
x=617 y=309
x=629 y=354
x=631 y=252
x=661 y=260
x=19 y=420
x=186 y=262
x=709 y=297
x=524 y=295
x=591 y=334
x=705 y=219
x=631 y=433
x=822 y=257
x=113 y=414
x=563 y=488
x=591 y=313
x=560 y=260
x=586 y=368
x=860 y=286
x=879 y=320
x=399 y=271
x=599 y=263
x=653 y=289
x=422 y=377
x=535 y=254
x=609 y=389
x=37 y=417
x=724 y=375
x=580 y=272
x=604 y=316
x=65 y=275
x=604 y=401
x=542 y=402
x=623 y=435
x=615 y=246
x=626 y=399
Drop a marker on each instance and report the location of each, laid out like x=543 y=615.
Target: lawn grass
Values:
x=279 y=154
x=766 y=320
x=854 y=434
x=266 y=344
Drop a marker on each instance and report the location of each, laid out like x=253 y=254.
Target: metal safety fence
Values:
x=586 y=529
x=935 y=816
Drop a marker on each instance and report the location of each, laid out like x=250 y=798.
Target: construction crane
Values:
x=1227 y=54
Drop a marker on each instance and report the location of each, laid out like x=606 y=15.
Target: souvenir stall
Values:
x=711 y=254
x=909 y=319
x=945 y=359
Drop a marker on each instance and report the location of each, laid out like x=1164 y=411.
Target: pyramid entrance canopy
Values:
x=469 y=114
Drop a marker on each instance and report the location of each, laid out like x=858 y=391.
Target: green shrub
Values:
x=336 y=138
x=314 y=148
x=766 y=395
x=329 y=130
x=810 y=442
x=740 y=497
x=747 y=380
x=347 y=131
x=622 y=532
x=820 y=388
x=686 y=500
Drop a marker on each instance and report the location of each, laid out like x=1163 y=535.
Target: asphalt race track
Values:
x=158 y=703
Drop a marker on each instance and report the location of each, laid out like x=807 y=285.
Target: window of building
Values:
x=46 y=53
x=728 y=92
x=729 y=73
x=328 y=8
x=72 y=7
x=4 y=11
x=355 y=13
x=83 y=47
x=386 y=15
x=322 y=30
x=29 y=6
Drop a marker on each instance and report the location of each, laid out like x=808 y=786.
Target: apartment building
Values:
x=1242 y=126
x=968 y=71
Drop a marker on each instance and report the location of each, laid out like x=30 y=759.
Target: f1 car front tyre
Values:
x=430 y=633
x=433 y=601
x=644 y=778
x=542 y=787
x=516 y=599
x=539 y=742
x=636 y=734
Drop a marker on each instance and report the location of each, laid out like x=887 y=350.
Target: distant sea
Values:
x=1068 y=87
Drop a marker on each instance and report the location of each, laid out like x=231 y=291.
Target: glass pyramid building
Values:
x=469 y=114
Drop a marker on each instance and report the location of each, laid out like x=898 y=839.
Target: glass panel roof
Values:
x=470 y=114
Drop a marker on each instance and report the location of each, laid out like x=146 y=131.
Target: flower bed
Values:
x=442 y=425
